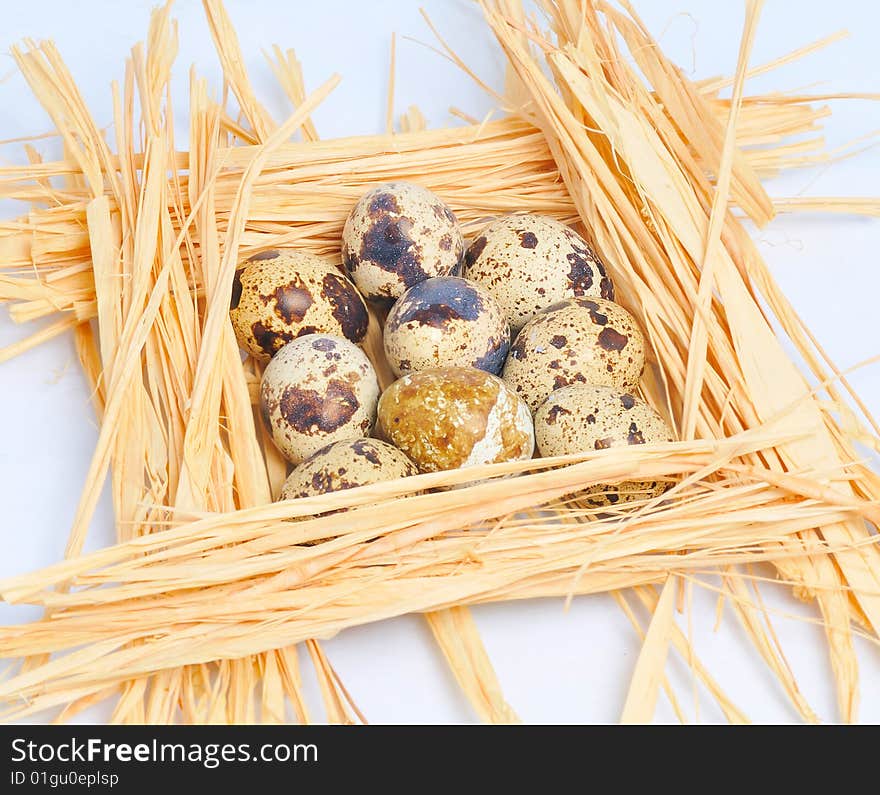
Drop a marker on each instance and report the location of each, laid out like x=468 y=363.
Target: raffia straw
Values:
x=699 y=332
x=392 y=72
x=849 y=206
x=639 y=148
x=624 y=605
x=649 y=598
x=457 y=635
x=640 y=159
x=648 y=674
x=241 y=427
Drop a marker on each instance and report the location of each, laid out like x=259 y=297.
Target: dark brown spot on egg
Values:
x=446 y=242
x=596 y=317
x=606 y=286
x=603 y=444
x=309 y=412
x=382 y=204
x=292 y=301
x=611 y=340
x=581 y=261
x=363 y=448
x=558 y=341
x=591 y=419
x=322 y=483
x=346 y=305
x=306 y=330
x=435 y=302
x=443 y=213
x=635 y=436
x=437 y=316
x=528 y=239
x=268 y=254
x=628 y=401
x=268 y=339
x=554 y=413
x=236 y=289
x=388 y=245
x=324 y=344
x=474 y=251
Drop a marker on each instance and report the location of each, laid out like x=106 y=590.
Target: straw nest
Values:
x=194 y=614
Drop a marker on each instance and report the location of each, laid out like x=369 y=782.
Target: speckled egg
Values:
x=278 y=296
x=530 y=262
x=346 y=464
x=398 y=235
x=446 y=322
x=452 y=417
x=316 y=390
x=579 y=418
x=578 y=341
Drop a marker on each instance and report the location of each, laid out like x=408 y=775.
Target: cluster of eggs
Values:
x=514 y=341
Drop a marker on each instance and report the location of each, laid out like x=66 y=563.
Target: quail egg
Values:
x=580 y=418
x=581 y=340
x=346 y=464
x=446 y=321
x=280 y=295
x=451 y=417
x=316 y=390
x=398 y=235
x=529 y=262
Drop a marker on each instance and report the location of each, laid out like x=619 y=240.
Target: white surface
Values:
x=555 y=666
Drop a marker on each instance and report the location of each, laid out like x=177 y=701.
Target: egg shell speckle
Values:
x=398 y=235
x=446 y=322
x=280 y=295
x=580 y=340
x=316 y=390
x=452 y=417
x=345 y=465
x=530 y=262
x=579 y=418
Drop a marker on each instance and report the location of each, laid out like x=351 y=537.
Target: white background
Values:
x=555 y=666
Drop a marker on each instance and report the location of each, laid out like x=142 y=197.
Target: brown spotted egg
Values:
x=398 y=235
x=578 y=341
x=446 y=322
x=530 y=262
x=316 y=390
x=578 y=418
x=280 y=295
x=345 y=465
x=452 y=417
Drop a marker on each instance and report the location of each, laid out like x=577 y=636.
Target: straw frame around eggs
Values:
x=766 y=469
